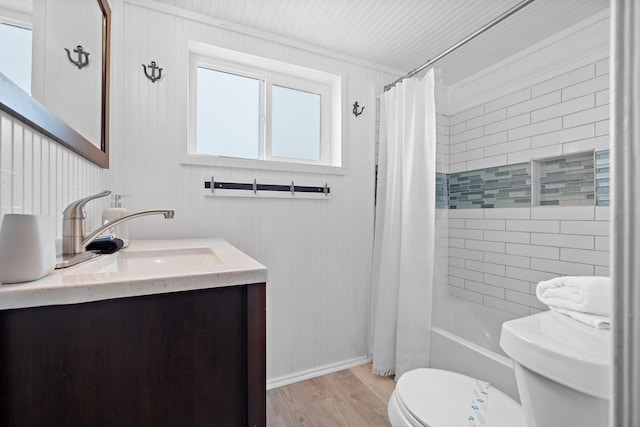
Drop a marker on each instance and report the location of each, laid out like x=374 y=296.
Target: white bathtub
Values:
x=464 y=338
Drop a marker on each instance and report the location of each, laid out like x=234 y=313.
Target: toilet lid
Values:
x=438 y=398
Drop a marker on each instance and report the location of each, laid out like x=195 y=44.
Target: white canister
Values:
x=27 y=248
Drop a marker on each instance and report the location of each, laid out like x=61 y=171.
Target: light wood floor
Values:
x=350 y=398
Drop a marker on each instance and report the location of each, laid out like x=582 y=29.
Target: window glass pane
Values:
x=15 y=55
x=295 y=122
x=228 y=117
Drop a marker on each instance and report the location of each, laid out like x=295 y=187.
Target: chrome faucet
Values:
x=73 y=238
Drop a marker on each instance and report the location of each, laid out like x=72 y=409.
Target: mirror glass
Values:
x=67 y=98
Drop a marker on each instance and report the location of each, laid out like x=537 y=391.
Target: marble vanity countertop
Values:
x=146 y=267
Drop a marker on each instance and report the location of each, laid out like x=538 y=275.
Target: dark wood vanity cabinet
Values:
x=193 y=358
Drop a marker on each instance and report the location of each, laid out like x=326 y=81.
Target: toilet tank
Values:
x=562 y=369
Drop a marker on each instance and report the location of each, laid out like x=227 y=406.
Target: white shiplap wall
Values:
x=318 y=251
x=497 y=256
x=39 y=176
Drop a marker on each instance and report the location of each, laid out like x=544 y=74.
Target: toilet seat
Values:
x=438 y=398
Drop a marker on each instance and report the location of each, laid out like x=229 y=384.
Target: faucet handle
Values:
x=76 y=209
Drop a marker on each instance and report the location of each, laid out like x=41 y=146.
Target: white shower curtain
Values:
x=403 y=258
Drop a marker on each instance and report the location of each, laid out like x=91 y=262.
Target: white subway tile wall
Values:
x=557 y=112
x=498 y=255
x=487 y=264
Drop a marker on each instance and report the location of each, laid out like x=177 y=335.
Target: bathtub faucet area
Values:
x=74 y=240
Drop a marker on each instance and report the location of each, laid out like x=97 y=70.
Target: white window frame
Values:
x=21 y=20
x=269 y=72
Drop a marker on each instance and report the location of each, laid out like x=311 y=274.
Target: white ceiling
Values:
x=404 y=34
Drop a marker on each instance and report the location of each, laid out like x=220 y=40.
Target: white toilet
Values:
x=562 y=370
x=438 y=398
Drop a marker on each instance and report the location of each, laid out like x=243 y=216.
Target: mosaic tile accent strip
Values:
x=602 y=178
x=567 y=180
x=442 y=190
x=495 y=187
x=571 y=180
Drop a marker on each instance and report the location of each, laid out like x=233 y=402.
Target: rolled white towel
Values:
x=585 y=294
x=595 y=320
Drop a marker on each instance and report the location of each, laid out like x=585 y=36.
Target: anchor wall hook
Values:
x=83 y=57
x=355 y=109
x=153 y=67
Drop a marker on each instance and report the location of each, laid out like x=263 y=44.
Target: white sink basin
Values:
x=161 y=261
x=146 y=267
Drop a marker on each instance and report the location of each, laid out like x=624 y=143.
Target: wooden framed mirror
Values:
x=39 y=111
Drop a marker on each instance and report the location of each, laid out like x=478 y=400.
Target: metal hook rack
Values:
x=214 y=185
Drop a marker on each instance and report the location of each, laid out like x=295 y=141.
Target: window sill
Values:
x=232 y=162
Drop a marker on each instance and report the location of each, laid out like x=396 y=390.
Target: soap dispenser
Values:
x=114 y=212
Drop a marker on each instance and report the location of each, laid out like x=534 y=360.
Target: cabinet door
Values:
x=177 y=359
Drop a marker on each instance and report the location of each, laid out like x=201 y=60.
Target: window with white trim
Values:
x=252 y=111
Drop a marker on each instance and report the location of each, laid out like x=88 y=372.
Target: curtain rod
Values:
x=430 y=62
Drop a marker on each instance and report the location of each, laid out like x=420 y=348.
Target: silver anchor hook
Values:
x=355 y=109
x=153 y=67
x=83 y=57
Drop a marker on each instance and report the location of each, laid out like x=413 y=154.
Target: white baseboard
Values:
x=316 y=372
